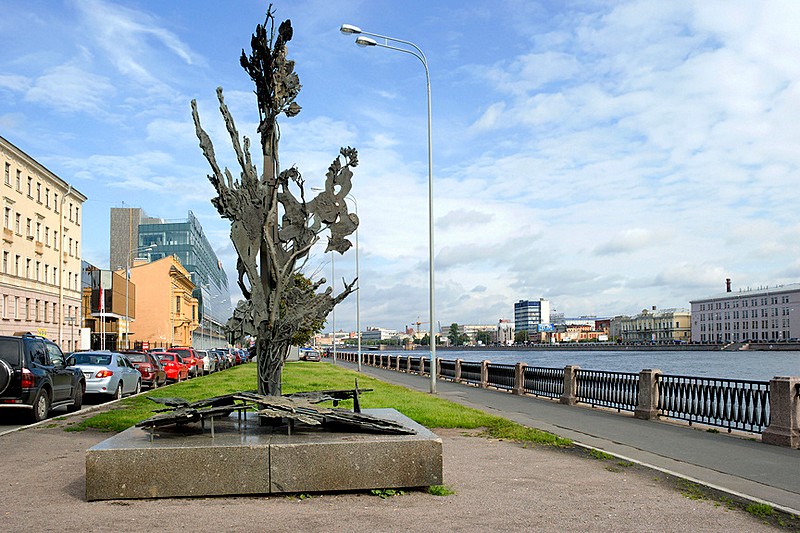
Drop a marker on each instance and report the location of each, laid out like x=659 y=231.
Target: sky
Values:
x=606 y=156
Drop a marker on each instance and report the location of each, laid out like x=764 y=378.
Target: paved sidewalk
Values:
x=740 y=466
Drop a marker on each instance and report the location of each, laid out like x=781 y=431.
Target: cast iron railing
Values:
x=447 y=369
x=727 y=403
x=471 y=372
x=541 y=381
x=501 y=376
x=619 y=390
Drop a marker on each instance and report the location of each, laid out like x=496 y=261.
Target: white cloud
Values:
x=71 y=89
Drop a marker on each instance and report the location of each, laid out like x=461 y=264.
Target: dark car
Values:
x=34 y=375
x=149 y=366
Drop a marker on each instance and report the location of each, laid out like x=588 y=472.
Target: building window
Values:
x=70 y=211
x=47 y=235
x=177 y=304
x=17 y=224
x=47 y=197
x=30 y=187
x=19 y=182
x=7 y=218
x=77 y=218
x=8 y=173
x=55 y=201
x=39 y=232
x=16 y=308
x=55 y=240
x=36 y=269
x=5 y=262
x=16 y=265
x=28 y=232
x=39 y=192
x=46 y=272
x=28 y=268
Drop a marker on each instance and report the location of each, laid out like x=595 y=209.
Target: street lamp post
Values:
x=416 y=52
x=358 y=286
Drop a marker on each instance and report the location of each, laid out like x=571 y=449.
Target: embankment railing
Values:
x=728 y=403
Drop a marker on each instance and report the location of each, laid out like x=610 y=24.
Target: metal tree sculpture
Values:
x=271 y=229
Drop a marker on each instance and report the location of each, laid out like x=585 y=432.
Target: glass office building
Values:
x=185 y=240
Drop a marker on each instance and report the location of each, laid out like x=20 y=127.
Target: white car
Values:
x=209 y=361
x=108 y=373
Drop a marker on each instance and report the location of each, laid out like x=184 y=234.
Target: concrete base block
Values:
x=246 y=458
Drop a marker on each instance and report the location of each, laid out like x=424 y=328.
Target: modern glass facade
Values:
x=185 y=240
x=528 y=315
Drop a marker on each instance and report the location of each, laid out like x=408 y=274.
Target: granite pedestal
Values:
x=243 y=457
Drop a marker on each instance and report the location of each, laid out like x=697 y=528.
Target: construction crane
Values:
x=419 y=323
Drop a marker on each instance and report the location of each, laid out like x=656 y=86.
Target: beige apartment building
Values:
x=40 y=268
x=659 y=326
x=166 y=312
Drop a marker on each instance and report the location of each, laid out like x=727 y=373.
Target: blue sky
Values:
x=607 y=156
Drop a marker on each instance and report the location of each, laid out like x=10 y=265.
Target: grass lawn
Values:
x=430 y=411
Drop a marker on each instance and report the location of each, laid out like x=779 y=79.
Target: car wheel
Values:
x=77 y=398
x=138 y=388
x=118 y=392
x=41 y=406
x=5 y=376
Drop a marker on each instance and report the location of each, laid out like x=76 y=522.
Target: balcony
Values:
x=39 y=248
x=8 y=235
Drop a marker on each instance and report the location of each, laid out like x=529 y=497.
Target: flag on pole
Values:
x=101 y=306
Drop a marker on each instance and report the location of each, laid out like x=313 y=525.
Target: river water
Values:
x=745 y=365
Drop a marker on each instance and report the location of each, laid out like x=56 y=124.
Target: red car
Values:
x=173 y=365
x=148 y=365
x=191 y=359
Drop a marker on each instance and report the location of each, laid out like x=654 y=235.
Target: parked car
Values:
x=34 y=376
x=222 y=361
x=309 y=354
x=148 y=365
x=209 y=361
x=189 y=357
x=173 y=365
x=108 y=373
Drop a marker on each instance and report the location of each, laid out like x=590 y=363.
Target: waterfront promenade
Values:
x=736 y=464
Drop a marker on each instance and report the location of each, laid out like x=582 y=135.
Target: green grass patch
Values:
x=386 y=493
x=601 y=455
x=693 y=491
x=426 y=409
x=440 y=490
x=760 y=510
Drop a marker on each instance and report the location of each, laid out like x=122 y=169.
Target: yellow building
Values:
x=166 y=312
x=40 y=267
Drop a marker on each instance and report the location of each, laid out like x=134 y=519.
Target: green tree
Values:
x=456 y=339
x=521 y=336
x=484 y=337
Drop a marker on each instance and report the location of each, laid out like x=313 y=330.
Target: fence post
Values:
x=438 y=368
x=570 y=396
x=647 y=407
x=519 y=379
x=408 y=364
x=457 y=379
x=484 y=374
x=397 y=363
x=784 y=412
